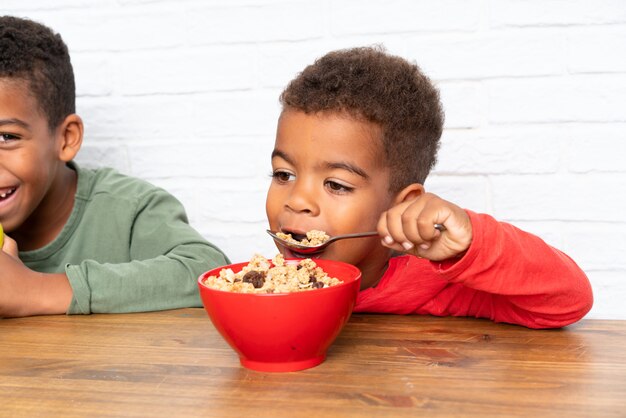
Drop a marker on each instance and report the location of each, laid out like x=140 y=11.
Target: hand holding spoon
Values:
x=314 y=249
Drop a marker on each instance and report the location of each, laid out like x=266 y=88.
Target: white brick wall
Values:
x=184 y=94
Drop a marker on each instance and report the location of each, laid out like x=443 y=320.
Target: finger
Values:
x=410 y=223
x=395 y=227
x=436 y=211
x=387 y=240
x=381 y=227
x=420 y=218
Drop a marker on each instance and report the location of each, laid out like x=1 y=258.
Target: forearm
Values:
x=164 y=282
x=519 y=278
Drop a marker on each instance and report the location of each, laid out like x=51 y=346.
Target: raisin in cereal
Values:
x=263 y=276
x=313 y=238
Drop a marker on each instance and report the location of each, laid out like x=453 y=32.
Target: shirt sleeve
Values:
x=509 y=275
x=166 y=258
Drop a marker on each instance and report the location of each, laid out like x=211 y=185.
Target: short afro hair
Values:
x=367 y=83
x=31 y=52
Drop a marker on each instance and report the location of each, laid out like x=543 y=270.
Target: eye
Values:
x=282 y=176
x=6 y=137
x=338 y=188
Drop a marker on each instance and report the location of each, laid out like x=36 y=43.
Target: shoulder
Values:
x=97 y=182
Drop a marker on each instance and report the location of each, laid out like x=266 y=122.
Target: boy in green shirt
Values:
x=78 y=241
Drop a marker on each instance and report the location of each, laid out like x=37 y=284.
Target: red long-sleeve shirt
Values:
x=506 y=275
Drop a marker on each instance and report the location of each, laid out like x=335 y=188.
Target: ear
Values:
x=410 y=192
x=70 y=137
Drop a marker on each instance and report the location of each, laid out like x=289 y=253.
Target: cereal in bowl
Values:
x=264 y=276
x=313 y=238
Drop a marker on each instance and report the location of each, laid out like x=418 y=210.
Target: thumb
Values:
x=10 y=246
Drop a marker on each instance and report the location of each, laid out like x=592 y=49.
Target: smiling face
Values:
x=328 y=175
x=34 y=179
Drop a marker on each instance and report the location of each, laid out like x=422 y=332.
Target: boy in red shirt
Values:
x=357 y=136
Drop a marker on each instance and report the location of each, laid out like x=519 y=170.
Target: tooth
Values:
x=3 y=195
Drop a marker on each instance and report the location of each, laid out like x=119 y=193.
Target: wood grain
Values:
x=173 y=363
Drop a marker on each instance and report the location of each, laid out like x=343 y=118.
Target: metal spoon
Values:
x=314 y=249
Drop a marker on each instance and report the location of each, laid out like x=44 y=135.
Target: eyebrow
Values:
x=341 y=165
x=14 y=121
x=349 y=167
x=283 y=155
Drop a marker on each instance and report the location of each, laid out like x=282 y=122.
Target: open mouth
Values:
x=297 y=237
x=292 y=252
x=6 y=193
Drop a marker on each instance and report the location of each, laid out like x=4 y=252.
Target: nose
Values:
x=303 y=199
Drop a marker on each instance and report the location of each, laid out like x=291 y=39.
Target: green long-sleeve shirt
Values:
x=126 y=247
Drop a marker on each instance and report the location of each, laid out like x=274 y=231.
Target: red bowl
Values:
x=283 y=332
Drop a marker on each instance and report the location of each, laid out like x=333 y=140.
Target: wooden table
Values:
x=174 y=364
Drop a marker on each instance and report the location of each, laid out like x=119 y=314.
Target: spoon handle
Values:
x=355 y=235
x=439 y=227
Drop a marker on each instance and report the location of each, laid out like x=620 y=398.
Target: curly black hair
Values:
x=32 y=52
x=369 y=84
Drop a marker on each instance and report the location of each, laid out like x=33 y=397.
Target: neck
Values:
x=47 y=221
x=374 y=269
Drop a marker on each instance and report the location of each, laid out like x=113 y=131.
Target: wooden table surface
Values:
x=174 y=364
